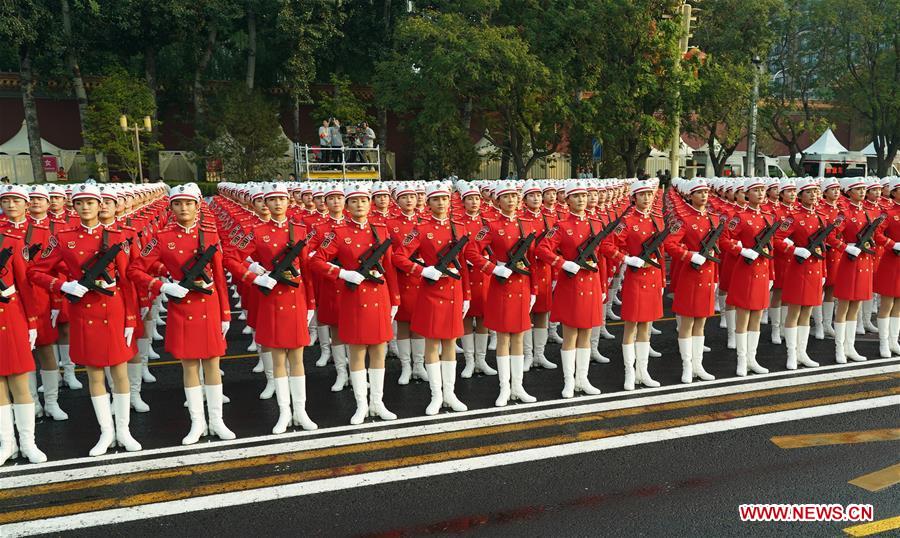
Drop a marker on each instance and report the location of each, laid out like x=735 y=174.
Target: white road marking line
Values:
x=797 y=376
x=210 y=502
x=226 y=454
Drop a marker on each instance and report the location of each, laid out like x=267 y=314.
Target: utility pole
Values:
x=751 y=135
x=137 y=129
x=686 y=18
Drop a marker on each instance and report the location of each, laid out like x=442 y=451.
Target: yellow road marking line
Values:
x=431 y=438
x=358 y=468
x=880 y=479
x=874 y=527
x=837 y=438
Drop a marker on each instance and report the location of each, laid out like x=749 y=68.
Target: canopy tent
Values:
x=15 y=156
x=827 y=144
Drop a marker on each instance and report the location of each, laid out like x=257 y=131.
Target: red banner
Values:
x=50 y=162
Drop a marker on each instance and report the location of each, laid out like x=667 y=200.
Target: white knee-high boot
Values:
x=436 y=384
x=894 y=331
x=481 y=349
x=740 y=340
x=828 y=318
x=802 y=342
x=376 y=386
x=50 y=382
x=68 y=367
x=540 y=344
x=32 y=388
x=790 y=344
x=697 y=358
x=448 y=384
x=283 y=397
x=528 y=349
x=404 y=353
x=135 y=379
x=214 y=400
x=752 y=345
x=567 y=357
x=324 y=333
x=730 y=319
x=582 y=363
x=642 y=352
x=628 y=356
x=341 y=367
x=25 y=424
x=517 y=390
x=817 y=322
x=686 y=348
x=194 y=397
x=122 y=404
x=360 y=394
x=417 y=349
x=269 y=369
x=840 y=338
x=503 y=376
x=850 y=343
x=8 y=447
x=298 y=403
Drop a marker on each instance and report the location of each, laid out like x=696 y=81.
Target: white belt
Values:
x=203 y=284
x=8 y=292
x=103 y=284
x=501 y=264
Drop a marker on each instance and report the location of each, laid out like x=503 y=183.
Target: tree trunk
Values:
x=251 y=47
x=150 y=77
x=504 y=164
x=382 y=111
x=77 y=85
x=295 y=117
x=31 y=117
x=199 y=104
x=467 y=115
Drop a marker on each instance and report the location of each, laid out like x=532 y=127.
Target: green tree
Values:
x=860 y=56
x=248 y=137
x=119 y=94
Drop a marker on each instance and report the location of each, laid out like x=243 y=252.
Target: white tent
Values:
x=15 y=156
x=827 y=144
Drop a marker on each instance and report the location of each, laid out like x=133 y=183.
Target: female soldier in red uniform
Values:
x=284 y=312
x=101 y=325
x=696 y=279
x=410 y=346
x=642 y=285
x=830 y=208
x=804 y=273
x=197 y=322
x=510 y=295
x=535 y=339
x=367 y=307
x=17 y=339
x=578 y=295
x=854 y=271
x=787 y=197
x=443 y=300
x=748 y=290
x=887 y=276
x=475 y=339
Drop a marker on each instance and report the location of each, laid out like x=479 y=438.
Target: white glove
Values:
x=73 y=288
x=634 y=261
x=502 y=272
x=852 y=249
x=309 y=316
x=32 y=337
x=897 y=246
x=394 y=310
x=144 y=311
x=553 y=285
x=431 y=273
x=466 y=305
x=352 y=277
x=771 y=284
x=257 y=269
x=129 y=334
x=225 y=326
x=749 y=253
x=788 y=241
x=265 y=281
x=531 y=302
x=698 y=259
x=175 y=290
x=54 y=314
x=571 y=267
x=802 y=252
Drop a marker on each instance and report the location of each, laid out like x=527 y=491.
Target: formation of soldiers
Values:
x=410 y=269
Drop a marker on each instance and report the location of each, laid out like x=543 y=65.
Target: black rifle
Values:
x=587 y=258
x=448 y=256
x=195 y=269
x=284 y=263
x=864 y=237
x=5 y=256
x=650 y=247
x=763 y=241
x=33 y=250
x=370 y=261
x=518 y=257
x=709 y=246
x=816 y=246
x=94 y=269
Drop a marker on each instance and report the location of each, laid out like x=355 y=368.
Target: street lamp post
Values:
x=148 y=127
x=751 y=136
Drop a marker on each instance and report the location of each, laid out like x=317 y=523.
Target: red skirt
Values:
x=832 y=260
x=695 y=290
x=327 y=301
x=194 y=327
x=365 y=313
x=438 y=310
x=16 y=356
x=854 y=278
x=887 y=277
x=542 y=275
x=97 y=331
x=281 y=317
x=578 y=299
x=506 y=309
x=749 y=285
x=727 y=269
x=803 y=282
x=478 y=283
x=642 y=295
x=409 y=291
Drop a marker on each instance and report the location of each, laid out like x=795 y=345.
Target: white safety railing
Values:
x=318 y=162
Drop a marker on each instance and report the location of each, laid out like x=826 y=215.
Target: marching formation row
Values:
x=361 y=268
